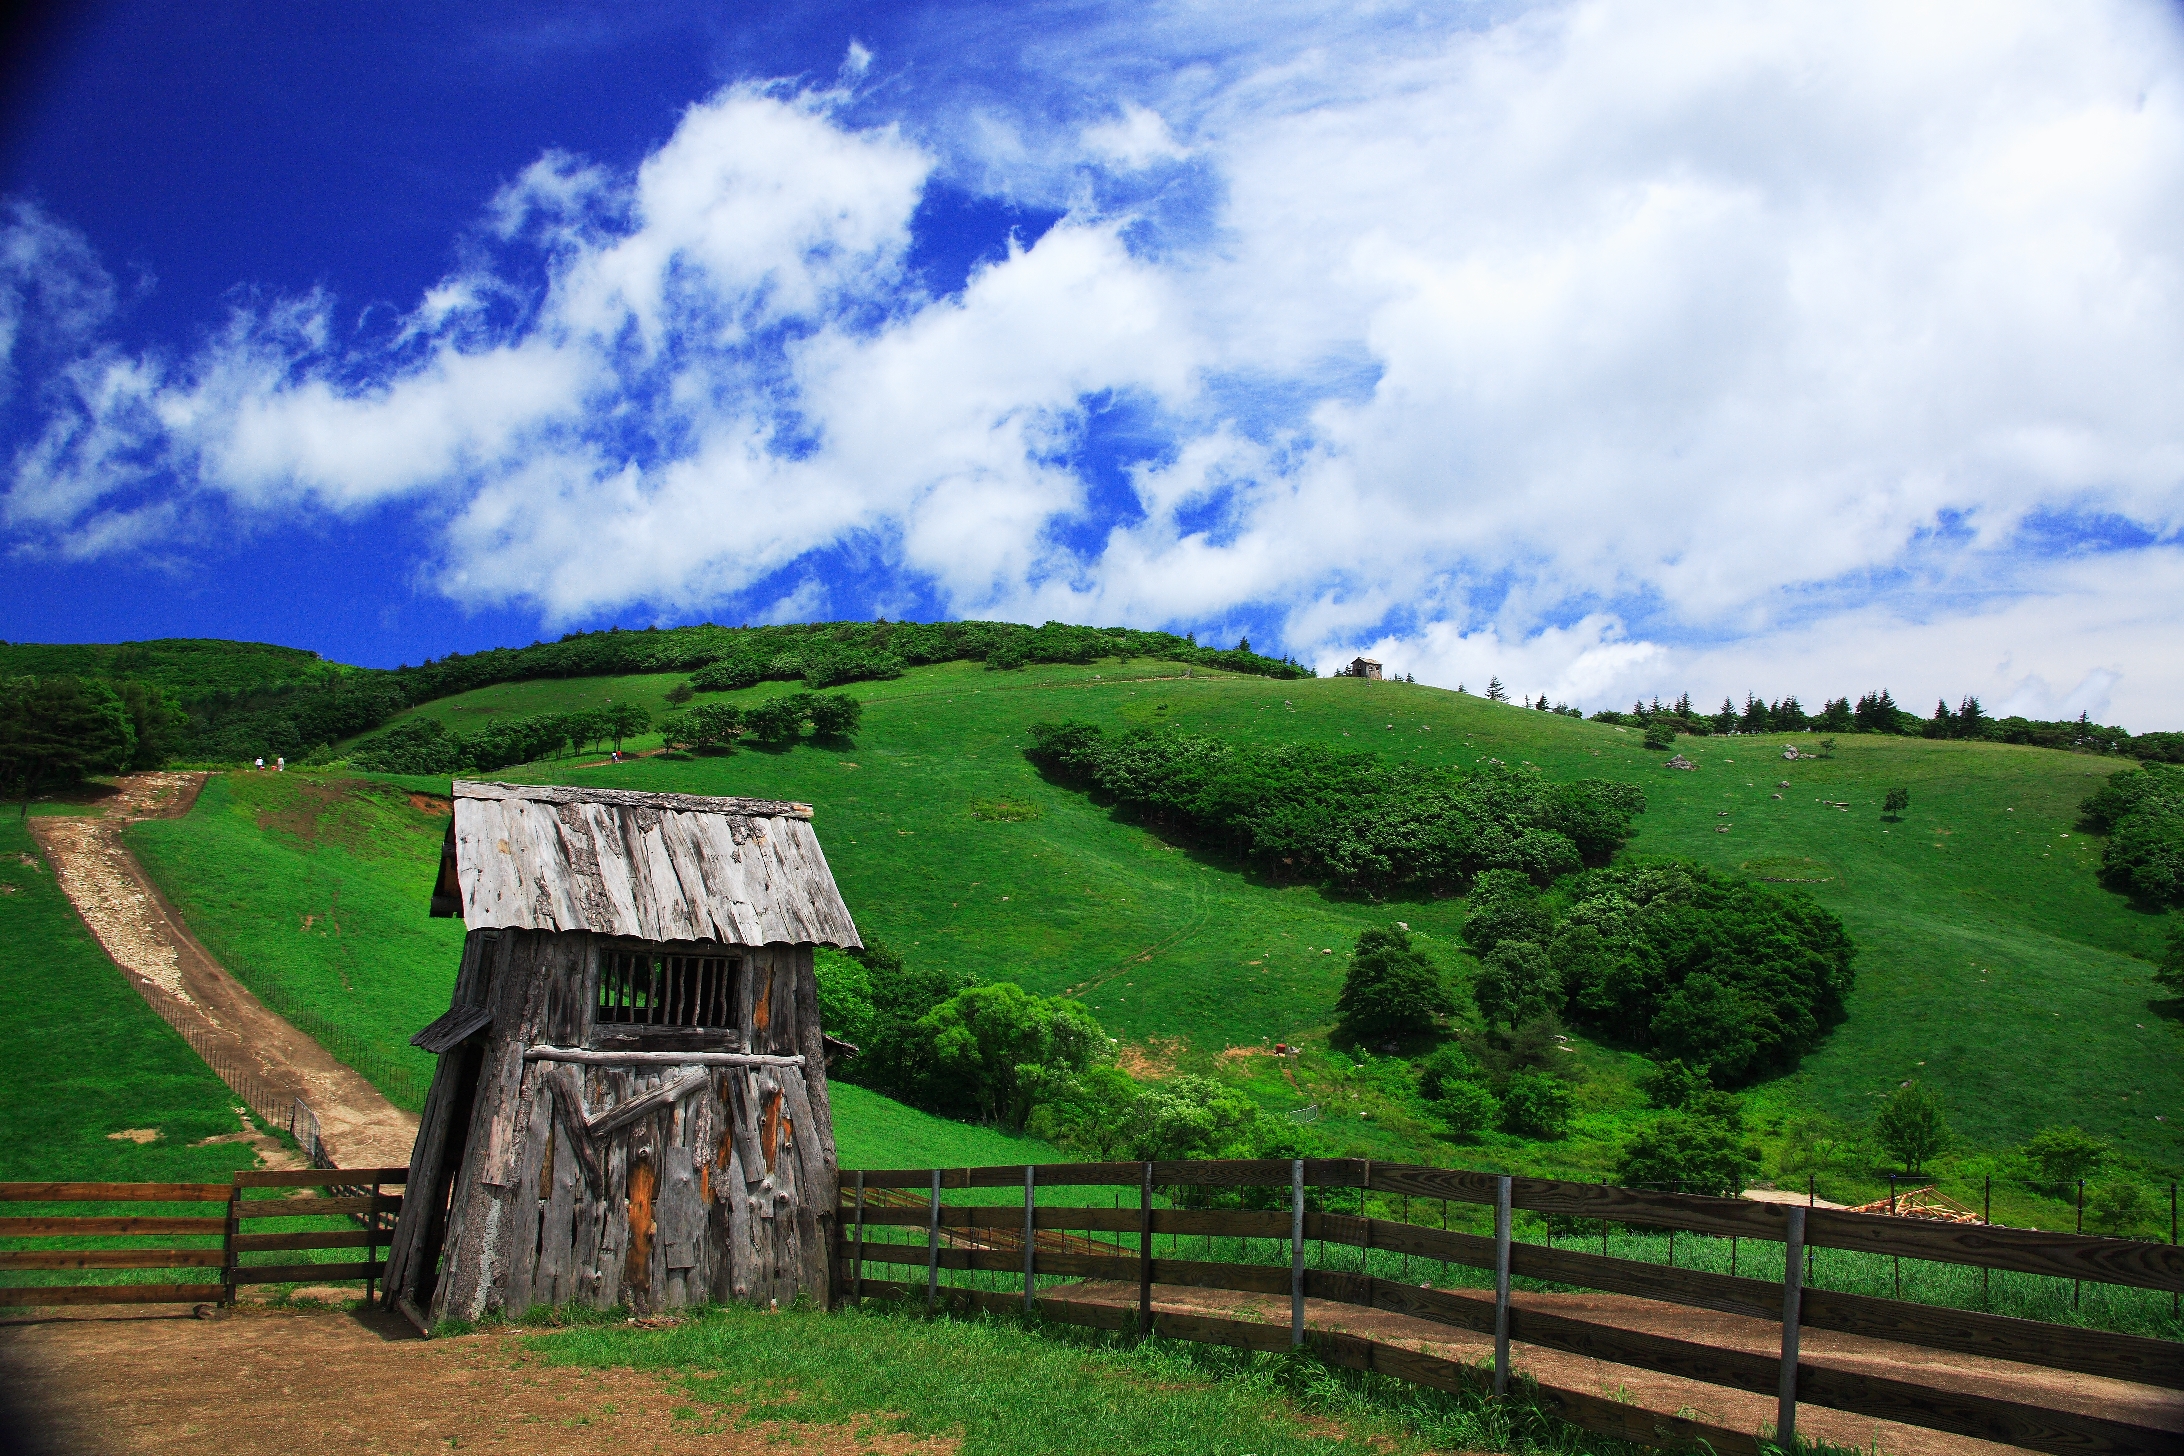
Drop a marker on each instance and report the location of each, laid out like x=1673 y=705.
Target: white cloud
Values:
x=1608 y=347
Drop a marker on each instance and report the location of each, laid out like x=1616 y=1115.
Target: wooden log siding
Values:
x=2147 y=1362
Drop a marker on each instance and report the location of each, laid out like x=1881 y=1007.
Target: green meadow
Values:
x=1991 y=963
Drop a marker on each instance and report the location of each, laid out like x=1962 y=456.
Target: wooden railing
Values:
x=1789 y=1302
x=222 y=1245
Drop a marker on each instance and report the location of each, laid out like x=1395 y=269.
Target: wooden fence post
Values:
x=1145 y=1253
x=856 y=1259
x=1296 y=1253
x=371 y=1246
x=229 y=1258
x=932 y=1250
x=1031 y=1235
x=1793 y=1301
x=1501 y=1285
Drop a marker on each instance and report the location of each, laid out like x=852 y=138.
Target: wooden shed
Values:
x=631 y=1100
x=1362 y=667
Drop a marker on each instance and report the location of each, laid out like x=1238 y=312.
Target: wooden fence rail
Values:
x=357 y=1196
x=1792 y=1378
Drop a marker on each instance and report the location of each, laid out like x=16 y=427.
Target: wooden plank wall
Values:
x=722 y=1187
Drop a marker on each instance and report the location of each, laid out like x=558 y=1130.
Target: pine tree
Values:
x=1495 y=692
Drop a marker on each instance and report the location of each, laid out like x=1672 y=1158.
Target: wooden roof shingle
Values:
x=657 y=867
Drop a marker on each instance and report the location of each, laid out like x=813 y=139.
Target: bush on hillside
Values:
x=1674 y=1084
x=1701 y=964
x=2120 y=1208
x=987 y=1050
x=1390 y=990
x=1093 y=1112
x=2142 y=812
x=1505 y=905
x=1466 y=1109
x=1536 y=1105
x=888 y=1005
x=1446 y=1067
x=1308 y=812
x=2060 y=1156
x=1687 y=1152
x=1910 y=1126
x=708 y=725
x=56 y=731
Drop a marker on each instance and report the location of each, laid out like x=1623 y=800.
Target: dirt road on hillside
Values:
x=151 y=945
x=275 y=1382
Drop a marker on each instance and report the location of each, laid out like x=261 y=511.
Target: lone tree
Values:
x=1495 y=692
x=1897 y=801
x=1909 y=1126
x=1391 y=989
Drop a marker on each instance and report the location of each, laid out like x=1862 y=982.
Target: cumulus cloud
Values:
x=1608 y=348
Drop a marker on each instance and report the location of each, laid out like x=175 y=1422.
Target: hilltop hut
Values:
x=1362 y=667
x=631 y=1101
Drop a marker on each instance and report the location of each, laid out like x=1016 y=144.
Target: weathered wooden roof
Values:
x=659 y=867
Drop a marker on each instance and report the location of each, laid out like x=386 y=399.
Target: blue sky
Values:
x=1613 y=349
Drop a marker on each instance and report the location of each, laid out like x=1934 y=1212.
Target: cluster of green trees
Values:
x=2141 y=811
x=427 y=746
x=1877 y=712
x=1307 y=812
x=776 y=721
x=997 y=1053
x=56 y=731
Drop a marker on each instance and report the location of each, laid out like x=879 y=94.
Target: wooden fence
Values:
x=218 y=1247
x=2147 y=1362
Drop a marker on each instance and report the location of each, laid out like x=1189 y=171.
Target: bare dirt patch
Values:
x=275 y=1382
x=146 y=938
x=1152 y=1061
x=437 y=805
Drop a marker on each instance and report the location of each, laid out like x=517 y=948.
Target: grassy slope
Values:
x=1167 y=943
x=87 y=1058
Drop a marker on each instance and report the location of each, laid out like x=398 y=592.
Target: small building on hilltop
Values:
x=631 y=1100
x=1362 y=667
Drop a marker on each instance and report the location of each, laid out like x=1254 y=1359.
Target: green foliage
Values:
x=708 y=725
x=1467 y=1109
x=56 y=731
x=2119 y=1207
x=1516 y=983
x=1505 y=905
x=1094 y=1112
x=2169 y=970
x=1536 y=1105
x=834 y=715
x=187 y=670
x=1672 y=1085
x=846 y=1009
x=1910 y=1126
x=2060 y=1156
x=988 y=1049
x=1659 y=736
x=2142 y=812
x=155 y=723
x=1686 y=1152
x=1704 y=965
x=1898 y=800
x=1445 y=1068
x=1391 y=990
x=1194 y=1117
x=1349 y=819
x=680 y=694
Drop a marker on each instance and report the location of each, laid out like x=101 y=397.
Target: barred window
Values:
x=653 y=988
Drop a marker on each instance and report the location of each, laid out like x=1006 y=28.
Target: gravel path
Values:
x=148 y=941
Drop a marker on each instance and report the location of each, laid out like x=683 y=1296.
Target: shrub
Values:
x=1687 y=1153
x=1504 y=904
x=835 y=715
x=1447 y=1066
x=1896 y=801
x=1702 y=1017
x=1467 y=1109
x=2060 y=1156
x=1672 y=1085
x=988 y=1049
x=1094 y=1111
x=2142 y=812
x=1192 y=1117
x=777 y=721
x=1534 y=1104
x=681 y=693
x=1516 y=983
x=845 y=997
x=727 y=675
x=1391 y=989
x=2118 y=1207
x=1910 y=1127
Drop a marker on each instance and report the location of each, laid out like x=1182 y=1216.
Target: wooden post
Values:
x=1986 y=1216
x=1501 y=1285
x=1296 y=1253
x=1145 y=1253
x=1031 y=1236
x=228 y=1256
x=1793 y=1303
x=856 y=1261
x=932 y=1250
x=2174 y=1296
x=2077 y=1284
x=371 y=1246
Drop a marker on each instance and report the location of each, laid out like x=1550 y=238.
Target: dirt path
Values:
x=276 y=1382
x=1714 y=1404
x=149 y=942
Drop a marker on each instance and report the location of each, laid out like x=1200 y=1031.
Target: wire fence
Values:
x=274 y=1105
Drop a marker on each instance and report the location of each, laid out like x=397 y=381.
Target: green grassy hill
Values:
x=1991 y=965
x=191 y=669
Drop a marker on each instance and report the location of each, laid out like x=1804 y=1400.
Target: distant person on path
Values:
x=280 y=765
x=261 y=763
